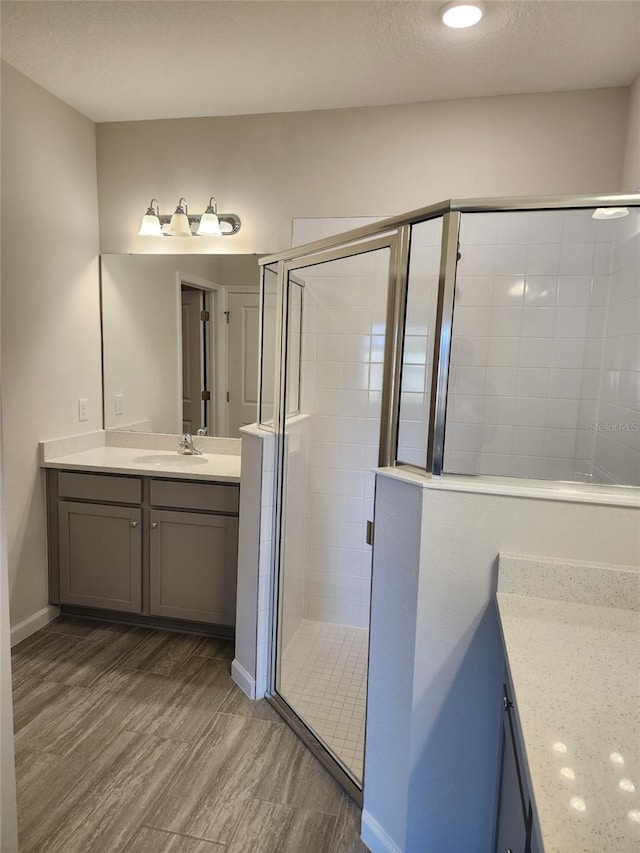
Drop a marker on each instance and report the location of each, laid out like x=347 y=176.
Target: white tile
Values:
x=538 y=322
x=576 y=259
x=579 y=227
x=501 y=381
x=510 y=260
x=464 y=437
x=513 y=227
x=503 y=351
x=497 y=439
x=471 y=322
x=530 y=411
x=560 y=443
x=508 y=290
x=570 y=322
x=574 y=290
x=546 y=227
x=477 y=260
x=499 y=410
x=543 y=260
x=469 y=351
x=562 y=413
x=478 y=229
x=568 y=352
x=473 y=290
x=355 y=376
x=565 y=383
x=535 y=352
x=528 y=441
x=533 y=382
x=506 y=322
x=469 y=380
x=540 y=291
x=328 y=375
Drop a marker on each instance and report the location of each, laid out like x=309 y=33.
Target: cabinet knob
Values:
x=134 y=523
x=154 y=524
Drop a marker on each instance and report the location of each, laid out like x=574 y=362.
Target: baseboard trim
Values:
x=33 y=623
x=374 y=836
x=242 y=678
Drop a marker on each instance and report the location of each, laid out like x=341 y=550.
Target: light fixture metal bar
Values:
x=229 y=219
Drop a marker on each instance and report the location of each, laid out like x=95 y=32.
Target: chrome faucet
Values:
x=186 y=448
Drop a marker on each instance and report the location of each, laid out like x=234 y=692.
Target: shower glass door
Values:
x=336 y=309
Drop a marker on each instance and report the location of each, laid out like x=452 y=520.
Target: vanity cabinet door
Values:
x=192 y=566
x=100 y=551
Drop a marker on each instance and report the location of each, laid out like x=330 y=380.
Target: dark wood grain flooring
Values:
x=136 y=740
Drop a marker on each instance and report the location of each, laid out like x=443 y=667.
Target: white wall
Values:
x=436 y=660
x=353 y=162
x=631 y=169
x=50 y=311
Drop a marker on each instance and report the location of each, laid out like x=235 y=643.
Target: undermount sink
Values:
x=169 y=460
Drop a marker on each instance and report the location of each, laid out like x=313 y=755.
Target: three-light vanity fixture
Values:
x=183 y=224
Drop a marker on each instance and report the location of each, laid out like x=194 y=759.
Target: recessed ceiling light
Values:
x=461 y=14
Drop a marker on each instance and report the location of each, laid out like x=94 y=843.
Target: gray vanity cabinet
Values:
x=192 y=566
x=163 y=549
x=100 y=555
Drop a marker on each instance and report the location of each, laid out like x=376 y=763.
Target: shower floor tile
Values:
x=324 y=678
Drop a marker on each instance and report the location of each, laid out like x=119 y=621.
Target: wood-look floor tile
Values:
x=32 y=696
x=346 y=838
x=105 y=808
x=237 y=702
x=212 y=647
x=208 y=795
x=180 y=707
x=149 y=840
x=42 y=782
x=79 y=721
x=162 y=652
x=274 y=828
x=296 y=778
x=72 y=660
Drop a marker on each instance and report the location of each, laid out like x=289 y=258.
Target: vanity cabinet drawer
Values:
x=100 y=487
x=208 y=497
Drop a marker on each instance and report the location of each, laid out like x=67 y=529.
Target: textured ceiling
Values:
x=118 y=60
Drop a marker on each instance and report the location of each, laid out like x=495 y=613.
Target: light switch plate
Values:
x=83 y=410
x=119 y=404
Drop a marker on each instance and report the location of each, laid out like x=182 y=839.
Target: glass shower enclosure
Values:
x=493 y=338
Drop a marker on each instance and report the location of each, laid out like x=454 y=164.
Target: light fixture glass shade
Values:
x=179 y=225
x=209 y=225
x=461 y=14
x=150 y=226
x=610 y=212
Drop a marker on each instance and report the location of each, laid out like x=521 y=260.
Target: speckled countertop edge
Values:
x=545 y=642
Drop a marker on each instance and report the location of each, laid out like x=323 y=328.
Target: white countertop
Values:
x=216 y=467
x=575 y=673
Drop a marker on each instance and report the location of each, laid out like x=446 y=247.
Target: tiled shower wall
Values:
x=342 y=352
x=530 y=313
x=614 y=444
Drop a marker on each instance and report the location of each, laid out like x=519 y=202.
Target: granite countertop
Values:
x=145 y=455
x=575 y=673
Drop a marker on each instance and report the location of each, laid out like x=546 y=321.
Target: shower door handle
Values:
x=369 y=532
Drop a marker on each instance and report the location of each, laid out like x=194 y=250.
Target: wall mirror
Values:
x=180 y=342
